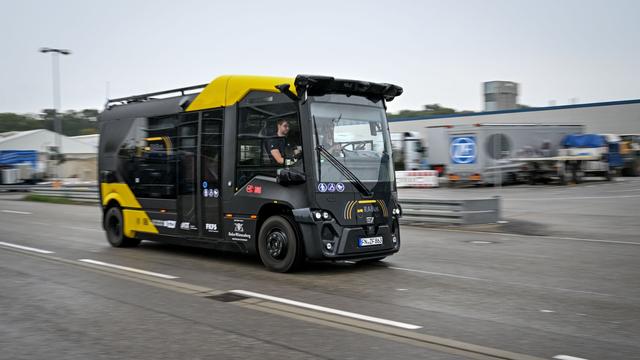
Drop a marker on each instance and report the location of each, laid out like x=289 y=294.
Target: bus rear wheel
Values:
x=114 y=226
x=279 y=245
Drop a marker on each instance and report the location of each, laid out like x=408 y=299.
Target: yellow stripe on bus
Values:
x=137 y=221
x=134 y=220
x=119 y=192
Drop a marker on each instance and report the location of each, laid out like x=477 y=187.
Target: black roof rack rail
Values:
x=142 y=97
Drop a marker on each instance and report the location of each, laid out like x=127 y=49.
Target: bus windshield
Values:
x=357 y=137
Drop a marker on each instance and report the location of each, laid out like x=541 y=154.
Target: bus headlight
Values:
x=397 y=211
x=319 y=215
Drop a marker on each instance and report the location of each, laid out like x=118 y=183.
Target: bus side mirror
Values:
x=288 y=177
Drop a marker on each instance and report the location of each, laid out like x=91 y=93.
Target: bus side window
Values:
x=257 y=129
x=156 y=160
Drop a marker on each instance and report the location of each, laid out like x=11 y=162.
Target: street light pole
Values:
x=57 y=122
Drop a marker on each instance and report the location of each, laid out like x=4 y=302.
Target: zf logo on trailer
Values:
x=463 y=149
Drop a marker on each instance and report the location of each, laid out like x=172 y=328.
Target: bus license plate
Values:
x=376 y=240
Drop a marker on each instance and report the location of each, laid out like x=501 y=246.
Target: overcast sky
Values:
x=438 y=51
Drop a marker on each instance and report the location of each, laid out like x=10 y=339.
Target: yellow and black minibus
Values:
x=289 y=169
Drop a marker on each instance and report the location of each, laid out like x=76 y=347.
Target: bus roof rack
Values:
x=143 y=97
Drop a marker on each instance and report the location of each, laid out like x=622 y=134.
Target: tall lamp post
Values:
x=57 y=122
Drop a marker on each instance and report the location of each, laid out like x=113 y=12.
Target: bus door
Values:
x=187 y=174
x=211 y=138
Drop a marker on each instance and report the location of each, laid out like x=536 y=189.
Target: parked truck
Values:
x=581 y=155
x=630 y=151
x=490 y=153
x=438 y=148
x=408 y=151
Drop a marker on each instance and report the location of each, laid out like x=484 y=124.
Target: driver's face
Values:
x=283 y=129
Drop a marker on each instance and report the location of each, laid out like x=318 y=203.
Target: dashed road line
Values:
x=327 y=310
x=27 y=248
x=119 y=267
x=16 y=212
x=567 y=357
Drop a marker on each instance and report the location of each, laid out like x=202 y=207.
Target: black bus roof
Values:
x=229 y=89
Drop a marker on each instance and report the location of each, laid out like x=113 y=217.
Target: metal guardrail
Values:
x=82 y=193
x=460 y=212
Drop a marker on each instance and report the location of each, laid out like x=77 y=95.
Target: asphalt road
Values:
x=449 y=294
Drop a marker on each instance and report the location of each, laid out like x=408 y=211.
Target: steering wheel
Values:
x=357 y=145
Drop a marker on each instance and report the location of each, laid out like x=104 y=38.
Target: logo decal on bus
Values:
x=322 y=187
x=340 y=187
x=463 y=149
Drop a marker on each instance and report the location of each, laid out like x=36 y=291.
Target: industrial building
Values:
x=80 y=158
x=613 y=117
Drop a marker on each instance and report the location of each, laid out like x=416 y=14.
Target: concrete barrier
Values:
x=459 y=212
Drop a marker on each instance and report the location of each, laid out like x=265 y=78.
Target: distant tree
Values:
x=88 y=131
x=428 y=110
x=16 y=122
x=73 y=122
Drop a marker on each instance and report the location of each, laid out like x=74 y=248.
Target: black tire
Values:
x=562 y=179
x=113 y=225
x=279 y=245
x=577 y=174
x=532 y=180
x=608 y=175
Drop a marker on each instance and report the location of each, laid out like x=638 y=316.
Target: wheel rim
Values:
x=277 y=242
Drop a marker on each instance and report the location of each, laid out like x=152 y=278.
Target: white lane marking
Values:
x=547 y=311
x=82 y=228
x=625 y=190
x=327 y=310
x=541 y=237
x=496 y=281
x=575 y=198
x=16 y=212
x=95 y=262
x=567 y=357
x=26 y=248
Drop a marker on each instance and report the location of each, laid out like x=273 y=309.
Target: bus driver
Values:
x=277 y=146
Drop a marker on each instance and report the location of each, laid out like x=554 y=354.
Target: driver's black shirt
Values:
x=278 y=143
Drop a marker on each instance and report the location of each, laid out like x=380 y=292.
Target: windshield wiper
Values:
x=345 y=171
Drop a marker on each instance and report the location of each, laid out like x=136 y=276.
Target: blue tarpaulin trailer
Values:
x=13 y=157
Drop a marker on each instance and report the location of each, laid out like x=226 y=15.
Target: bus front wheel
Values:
x=279 y=245
x=114 y=226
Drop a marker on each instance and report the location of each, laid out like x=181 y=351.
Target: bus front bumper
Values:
x=327 y=240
